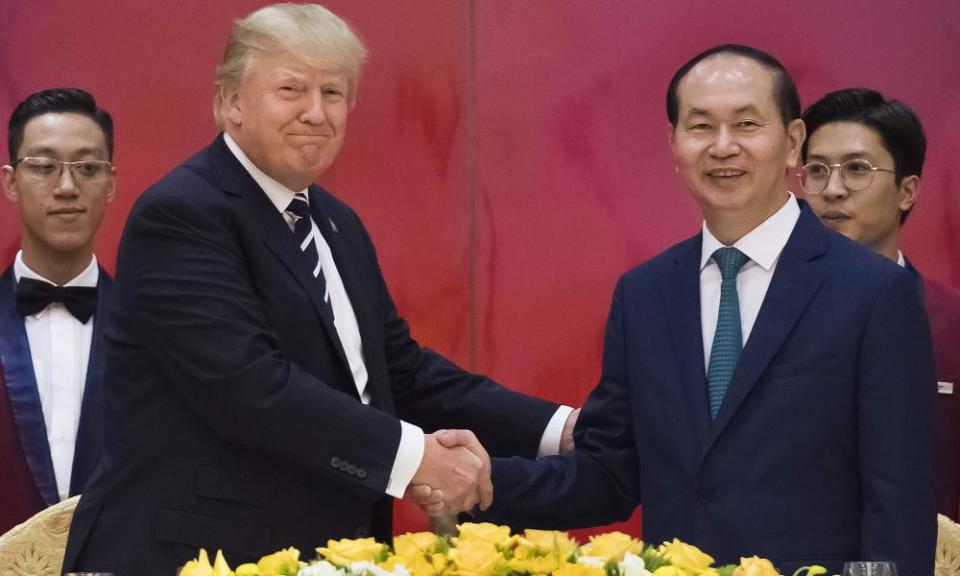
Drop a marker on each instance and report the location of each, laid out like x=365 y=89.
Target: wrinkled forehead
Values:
x=727 y=80
x=299 y=61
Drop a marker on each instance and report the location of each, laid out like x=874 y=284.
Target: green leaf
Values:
x=726 y=570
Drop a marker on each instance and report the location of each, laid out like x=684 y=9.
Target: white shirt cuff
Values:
x=550 y=441
x=408 y=459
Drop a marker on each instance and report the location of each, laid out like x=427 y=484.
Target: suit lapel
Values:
x=274 y=233
x=799 y=273
x=681 y=296
x=357 y=291
x=21 y=383
x=90 y=430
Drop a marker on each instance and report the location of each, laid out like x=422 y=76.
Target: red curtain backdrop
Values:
x=509 y=157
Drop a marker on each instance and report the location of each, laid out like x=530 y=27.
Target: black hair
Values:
x=788 y=102
x=898 y=127
x=56 y=100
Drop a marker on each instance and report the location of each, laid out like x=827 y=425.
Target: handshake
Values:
x=454 y=475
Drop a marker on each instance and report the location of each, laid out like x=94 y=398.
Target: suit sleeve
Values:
x=434 y=393
x=597 y=482
x=896 y=417
x=185 y=290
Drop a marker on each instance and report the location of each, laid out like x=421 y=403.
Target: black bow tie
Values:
x=34 y=295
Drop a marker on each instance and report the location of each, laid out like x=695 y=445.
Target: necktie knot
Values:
x=35 y=295
x=730 y=261
x=299 y=206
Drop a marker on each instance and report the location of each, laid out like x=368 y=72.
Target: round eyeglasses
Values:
x=855 y=174
x=49 y=170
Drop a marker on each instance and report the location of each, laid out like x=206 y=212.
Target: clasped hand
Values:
x=454 y=475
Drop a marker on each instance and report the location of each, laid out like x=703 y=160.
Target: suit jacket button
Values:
x=352 y=470
x=335 y=462
x=706 y=496
x=361 y=473
x=361 y=532
x=344 y=465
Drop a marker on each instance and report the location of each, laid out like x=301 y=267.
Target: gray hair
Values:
x=311 y=31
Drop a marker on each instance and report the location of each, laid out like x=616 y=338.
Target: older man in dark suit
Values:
x=767 y=385
x=53 y=300
x=262 y=390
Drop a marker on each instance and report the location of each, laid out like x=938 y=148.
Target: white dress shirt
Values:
x=60 y=351
x=411 y=448
x=763 y=246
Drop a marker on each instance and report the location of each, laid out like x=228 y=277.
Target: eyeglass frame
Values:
x=839 y=166
x=70 y=165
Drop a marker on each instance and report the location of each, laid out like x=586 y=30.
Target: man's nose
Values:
x=314 y=112
x=725 y=144
x=66 y=183
x=835 y=189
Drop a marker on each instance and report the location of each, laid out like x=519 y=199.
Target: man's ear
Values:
x=908 y=192
x=112 y=191
x=231 y=107
x=9 y=184
x=796 y=134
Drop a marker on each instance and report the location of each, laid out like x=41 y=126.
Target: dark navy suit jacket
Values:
x=822 y=449
x=26 y=474
x=233 y=420
x=943 y=309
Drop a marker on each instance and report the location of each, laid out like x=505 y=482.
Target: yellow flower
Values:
x=247 y=570
x=579 y=570
x=475 y=558
x=419 y=564
x=199 y=567
x=685 y=556
x=534 y=564
x=411 y=544
x=220 y=566
x=754 y=566
x=669 y=571
x=483 y=532
x=611 y=546
x=539 y=542
x=286 y=562
x=343 y=552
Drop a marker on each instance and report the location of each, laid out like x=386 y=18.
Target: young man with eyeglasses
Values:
x=863 y=161
x=59 y=180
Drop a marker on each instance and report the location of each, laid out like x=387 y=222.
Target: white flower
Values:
x=591 y=561
x=321 y=568
x=374 y=570
x=632 y=565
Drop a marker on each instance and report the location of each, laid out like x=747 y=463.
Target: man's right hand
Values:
x=454 y=475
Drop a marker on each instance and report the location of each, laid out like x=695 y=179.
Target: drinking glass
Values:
x=870 y=569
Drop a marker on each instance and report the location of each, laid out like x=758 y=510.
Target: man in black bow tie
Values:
x=60 y=179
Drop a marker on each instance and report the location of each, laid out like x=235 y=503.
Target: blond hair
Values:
x=311 y=31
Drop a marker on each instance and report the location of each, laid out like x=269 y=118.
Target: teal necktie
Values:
x=727 y=340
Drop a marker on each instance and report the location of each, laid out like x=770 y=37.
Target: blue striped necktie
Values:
x=728 y=339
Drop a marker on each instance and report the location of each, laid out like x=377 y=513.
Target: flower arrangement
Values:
x=490 y=550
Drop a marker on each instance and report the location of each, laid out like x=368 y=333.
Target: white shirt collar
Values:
x=764 y=243
x=279 y=195
x=89 y=277
x=901 y=260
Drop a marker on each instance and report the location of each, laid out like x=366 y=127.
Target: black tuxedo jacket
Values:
x=232 y=417
x=822 y=450
x=26 y=474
